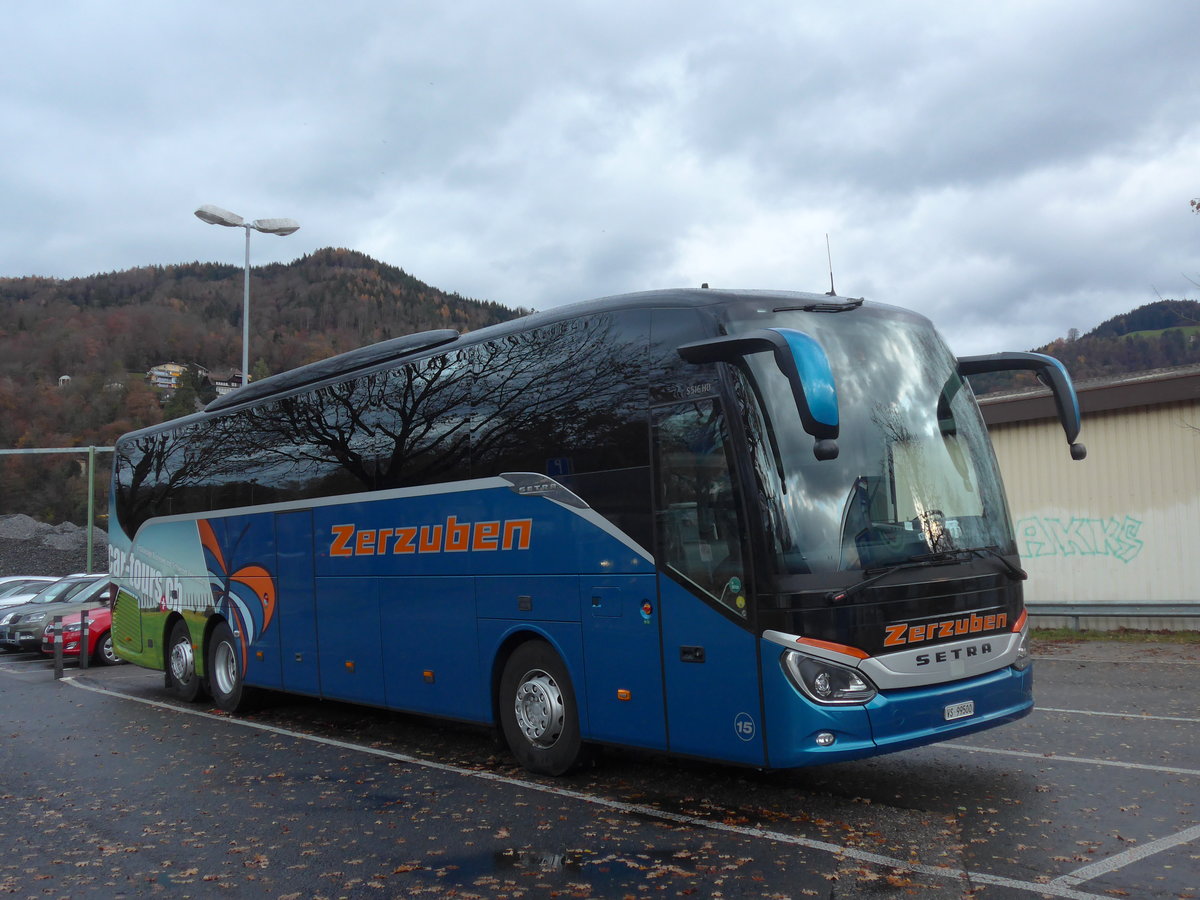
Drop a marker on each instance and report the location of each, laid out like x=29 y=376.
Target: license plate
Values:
x=960 y=710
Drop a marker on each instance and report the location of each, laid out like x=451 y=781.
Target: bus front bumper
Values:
x=911 y=718
x=802 y=733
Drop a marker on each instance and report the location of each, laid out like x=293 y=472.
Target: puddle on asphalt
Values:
x=565 y=861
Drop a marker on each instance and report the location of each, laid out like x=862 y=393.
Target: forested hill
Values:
x=105 y=331
x=1152 y=317
x=324 y=303
x=1155 y=336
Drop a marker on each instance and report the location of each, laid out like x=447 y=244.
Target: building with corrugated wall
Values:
x=1121 y=526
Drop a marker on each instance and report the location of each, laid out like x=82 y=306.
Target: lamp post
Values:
x=214 y=215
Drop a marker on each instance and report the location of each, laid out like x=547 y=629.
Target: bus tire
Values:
x=182 y=679
x=538 y=714
x=226 y=680
x=105 y=653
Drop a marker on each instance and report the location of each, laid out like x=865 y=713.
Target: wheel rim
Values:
x=183 y=663
x=106 y=649
x=224 y=668
x=539 y=708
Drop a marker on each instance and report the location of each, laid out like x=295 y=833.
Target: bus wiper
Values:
x=913 y=562
x=1016 y=573
x=941 y=558
x=830 y=306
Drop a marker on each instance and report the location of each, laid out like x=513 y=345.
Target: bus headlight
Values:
x=1024 y=655
x=826 y=682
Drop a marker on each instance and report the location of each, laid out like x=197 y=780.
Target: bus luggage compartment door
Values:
x=621 y=660
x=297 y=603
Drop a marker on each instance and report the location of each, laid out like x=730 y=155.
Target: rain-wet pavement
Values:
x=110 y=789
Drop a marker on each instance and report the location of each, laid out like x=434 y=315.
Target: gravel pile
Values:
x=30 y=547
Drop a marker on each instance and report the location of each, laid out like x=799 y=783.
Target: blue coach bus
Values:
x=760 y=527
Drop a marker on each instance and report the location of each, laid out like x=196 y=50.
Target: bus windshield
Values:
x=915 y=474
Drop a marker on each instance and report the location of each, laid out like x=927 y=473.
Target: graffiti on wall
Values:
x=1047 y=536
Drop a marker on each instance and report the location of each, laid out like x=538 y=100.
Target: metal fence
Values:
x=1137 y=616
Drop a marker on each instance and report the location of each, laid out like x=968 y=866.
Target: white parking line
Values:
x=1132 y=855
x=1055 y=758
x=965 y=876
x=1116 y=715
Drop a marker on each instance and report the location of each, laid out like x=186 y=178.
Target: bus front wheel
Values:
x=538 y=714
x=226 y=678
x=182 y=678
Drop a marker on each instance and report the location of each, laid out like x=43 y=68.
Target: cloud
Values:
x=1012 y=170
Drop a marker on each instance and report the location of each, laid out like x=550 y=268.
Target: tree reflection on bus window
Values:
x=698 y=530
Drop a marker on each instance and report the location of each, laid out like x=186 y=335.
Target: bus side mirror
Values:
x=803 y=363
x=1050 y=371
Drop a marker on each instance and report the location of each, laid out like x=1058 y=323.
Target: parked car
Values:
x=16 y=589
x=99 y=644
x=21 y=626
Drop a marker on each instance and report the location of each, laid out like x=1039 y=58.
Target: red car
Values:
x=100 y=645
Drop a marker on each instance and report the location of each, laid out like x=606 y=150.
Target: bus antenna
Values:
x=829 y=256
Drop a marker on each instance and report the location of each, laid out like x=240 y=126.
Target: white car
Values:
x=15 y=589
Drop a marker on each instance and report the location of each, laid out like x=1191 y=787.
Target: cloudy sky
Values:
x=1012 y=170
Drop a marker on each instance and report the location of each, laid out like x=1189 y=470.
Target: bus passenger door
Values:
x=297 y=605
x=710 y=655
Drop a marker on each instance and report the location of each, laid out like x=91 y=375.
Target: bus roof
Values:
x=372 y=355
x=334 y=367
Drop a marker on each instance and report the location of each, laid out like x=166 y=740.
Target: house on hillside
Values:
x=226 y=380
x=166 y=376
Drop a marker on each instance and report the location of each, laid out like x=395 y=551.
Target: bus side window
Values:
x=698 y=530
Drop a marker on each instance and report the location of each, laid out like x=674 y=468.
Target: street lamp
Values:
x=214 y=215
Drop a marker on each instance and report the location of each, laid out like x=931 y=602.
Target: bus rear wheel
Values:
x=226 y=679
x=538 y=714
x=182 y=679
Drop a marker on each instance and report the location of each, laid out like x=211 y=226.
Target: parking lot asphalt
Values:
x=110 y=790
